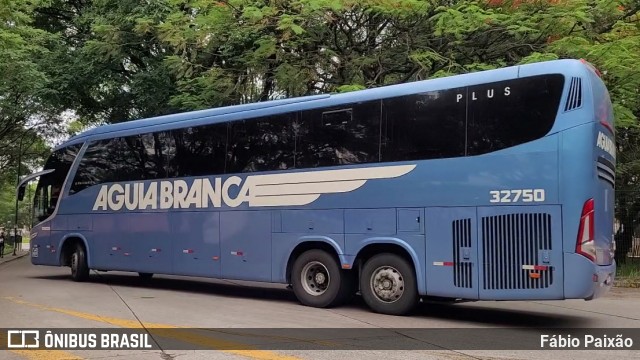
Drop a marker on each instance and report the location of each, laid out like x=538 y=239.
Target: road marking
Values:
x=88 y=316
x=169 y=331
x=46 y=354
x=40 y=354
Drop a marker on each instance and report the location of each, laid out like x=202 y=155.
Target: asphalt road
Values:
x=32 y=296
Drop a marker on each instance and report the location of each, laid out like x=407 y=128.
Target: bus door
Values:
x=47 y=195
x=452 y=252
x=43 y=248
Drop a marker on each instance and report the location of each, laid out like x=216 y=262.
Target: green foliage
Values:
x=631 y=270
x=120 y=60
x=108 y=61
x=28 y=110
x=611 y=41
x=348 y=88
x=135 y=59
x=538 y=57
x=7 y=207
x=23 y=81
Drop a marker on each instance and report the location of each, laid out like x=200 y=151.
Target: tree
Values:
x=109 y=67
x=107 y=61
x=609 y=37
x=24 y=111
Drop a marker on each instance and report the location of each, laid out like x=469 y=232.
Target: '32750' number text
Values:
x=519 y=195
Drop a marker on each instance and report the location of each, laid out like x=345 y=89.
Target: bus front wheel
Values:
x=318 y=281
x=388 y=284
x=78 y=264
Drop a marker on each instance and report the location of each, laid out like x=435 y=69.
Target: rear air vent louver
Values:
x=461 y=242
x=606 y=171
x=574 y=100
x=511 y=244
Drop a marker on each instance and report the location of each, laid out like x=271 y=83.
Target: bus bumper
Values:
x=42 y=253
x=585 y=280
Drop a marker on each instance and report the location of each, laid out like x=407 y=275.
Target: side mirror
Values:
x=22 y=185
x=21 y=192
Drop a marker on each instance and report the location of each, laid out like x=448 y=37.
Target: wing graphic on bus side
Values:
x=302 y=188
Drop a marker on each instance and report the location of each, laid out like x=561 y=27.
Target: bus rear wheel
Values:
x=78 y=264
x=388 y=284
x=318 y=281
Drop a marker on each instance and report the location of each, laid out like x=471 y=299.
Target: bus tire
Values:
x=78 y=264
x=318 y=281
x=145 y=276
x=388 y=284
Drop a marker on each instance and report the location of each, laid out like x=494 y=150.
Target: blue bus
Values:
x=494 y=185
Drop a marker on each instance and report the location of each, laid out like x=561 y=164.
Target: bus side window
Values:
x=512 y=112
x=424 y=126
x=88 y=173
x=341 y=136
x=198 y=151
x=263 y=144
x=139 y=157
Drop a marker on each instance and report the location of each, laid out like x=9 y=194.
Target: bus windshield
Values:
x=50 y=185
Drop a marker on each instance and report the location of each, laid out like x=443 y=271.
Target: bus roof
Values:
x=568 y=67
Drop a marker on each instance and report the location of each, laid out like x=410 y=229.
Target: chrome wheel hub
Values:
x=387 y=283
x=315 y=278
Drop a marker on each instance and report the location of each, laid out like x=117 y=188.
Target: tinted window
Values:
x=199 y=150
x=438 y=124
x=163 y=159
x=139 y=157
x=424 y=126
x=128 y=159
x=342 y=136
x=50 y=185
x=263 y=144
x=513 y=112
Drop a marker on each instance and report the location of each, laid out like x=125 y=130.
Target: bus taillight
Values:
x=590 y=66
x=585 y=244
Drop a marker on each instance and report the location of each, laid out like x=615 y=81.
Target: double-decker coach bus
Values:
x=495 y=185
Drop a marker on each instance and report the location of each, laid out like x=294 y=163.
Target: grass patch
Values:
x=8 y=250
x=629 y=269
x=628 y=274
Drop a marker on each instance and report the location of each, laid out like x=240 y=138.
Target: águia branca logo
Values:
x=288 y=189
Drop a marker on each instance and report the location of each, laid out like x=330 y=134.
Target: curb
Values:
x=13 y=258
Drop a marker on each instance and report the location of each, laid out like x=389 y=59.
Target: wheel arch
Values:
x=66 y=245
x=396 y=246
x=308 y=243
